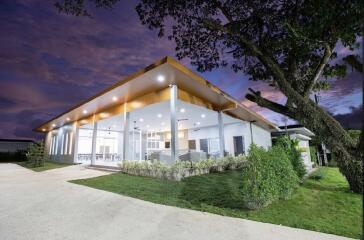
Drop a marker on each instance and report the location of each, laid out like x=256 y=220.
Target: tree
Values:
x=287 y=44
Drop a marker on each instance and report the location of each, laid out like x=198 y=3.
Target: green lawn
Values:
x=47 y=166
x=324 y=205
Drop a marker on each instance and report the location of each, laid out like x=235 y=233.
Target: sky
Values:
x=49 y=62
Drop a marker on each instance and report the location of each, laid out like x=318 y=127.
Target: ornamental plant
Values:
x=267 y=176
x=36 y=155
x=291 y=148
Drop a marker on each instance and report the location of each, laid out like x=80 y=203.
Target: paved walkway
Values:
x=45 y=206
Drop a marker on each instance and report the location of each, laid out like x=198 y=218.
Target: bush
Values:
x=290 y=146
x=313 y=154
x=318 y=175
x=36 y=155
x=267 y=176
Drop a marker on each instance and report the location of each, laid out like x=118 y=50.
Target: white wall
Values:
x=65 y=148
x=261 y=137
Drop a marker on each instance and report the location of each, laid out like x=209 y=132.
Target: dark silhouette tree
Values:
x=288 y=44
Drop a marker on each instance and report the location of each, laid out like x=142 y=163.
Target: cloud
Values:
x=353 y=119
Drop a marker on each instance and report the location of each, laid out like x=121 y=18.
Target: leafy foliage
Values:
x=36 y=155
x=267 y=177
x=158 y=168
x=291 y=148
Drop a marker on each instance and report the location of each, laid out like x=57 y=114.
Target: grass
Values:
x=47 y=166
x=324 y=205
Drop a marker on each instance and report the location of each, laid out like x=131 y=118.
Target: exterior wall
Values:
x=261 y=137
x=60 y=144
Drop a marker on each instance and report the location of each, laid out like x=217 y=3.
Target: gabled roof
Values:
x=145 y=81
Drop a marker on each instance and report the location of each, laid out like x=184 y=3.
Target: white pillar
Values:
x=174 y=125
x=93 y=149
x=221 y=134
x=126 y=135
x=76 y=129
x=251 y=132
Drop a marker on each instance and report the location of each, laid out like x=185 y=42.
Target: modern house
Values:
x=303 y=136
x=163 y=112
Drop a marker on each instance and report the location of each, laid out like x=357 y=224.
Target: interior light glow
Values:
x=160 y=78
x=141 y=120
x=85 y=111
x=53 y=125
x=198 y=123
x=114 y=98
x=43 y=129
x=104 y=115
x=203 y=115
x=148 y=126
x=182 y=110
x=163 y=123
x=159 y=115
x=68 y=119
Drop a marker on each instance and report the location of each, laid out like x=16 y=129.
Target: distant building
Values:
x=14 y=145
x=303 y=135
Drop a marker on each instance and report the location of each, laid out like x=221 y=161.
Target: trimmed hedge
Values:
x=290 y=146
x=268 y=175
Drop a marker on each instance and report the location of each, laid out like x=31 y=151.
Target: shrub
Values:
x=36 y=155
x=318 y=175
x=313 y=154
x=267 y=176
x=290 y=146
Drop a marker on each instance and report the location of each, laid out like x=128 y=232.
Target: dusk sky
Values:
x=50 y=62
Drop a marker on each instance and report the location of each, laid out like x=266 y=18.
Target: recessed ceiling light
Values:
x=114 y=98
x=198 y=123
x=43 y=129
x=53 y=125
x=141 y=120
x=84 y=111
x=182 y=110
x=68 y=119
x=203 y=115
x=148 y=126
x=160 y=78
x=159 y=115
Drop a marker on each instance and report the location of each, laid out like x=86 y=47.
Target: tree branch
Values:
x=318 y=72
x=263 y=102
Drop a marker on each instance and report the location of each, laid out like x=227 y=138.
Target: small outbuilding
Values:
x=303 y=135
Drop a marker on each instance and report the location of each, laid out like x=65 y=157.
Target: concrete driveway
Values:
x=45 y=206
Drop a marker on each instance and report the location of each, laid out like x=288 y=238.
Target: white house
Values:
x=303 y=135
x=162 y=112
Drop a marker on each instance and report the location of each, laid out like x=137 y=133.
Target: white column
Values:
x=76 y=130
x=251 y=132
x=221 y=134
x=93 y=149
x=174 y=125
x=126 y=135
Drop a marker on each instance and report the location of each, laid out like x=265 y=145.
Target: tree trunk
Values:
x=328 y=130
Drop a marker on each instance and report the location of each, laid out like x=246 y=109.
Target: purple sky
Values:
x=49 y=62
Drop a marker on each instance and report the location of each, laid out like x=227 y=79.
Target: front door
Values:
x=238 y=145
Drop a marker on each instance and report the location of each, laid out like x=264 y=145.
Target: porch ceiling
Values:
x=154 y=78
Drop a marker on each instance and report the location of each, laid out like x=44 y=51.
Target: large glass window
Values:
x=150 y=134
x=109 y=142
x=84 y=152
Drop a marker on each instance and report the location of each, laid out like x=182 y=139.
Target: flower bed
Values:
x=180 y=170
